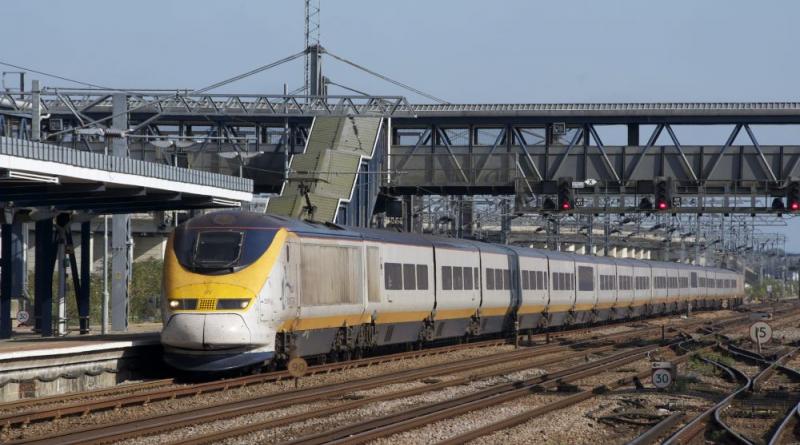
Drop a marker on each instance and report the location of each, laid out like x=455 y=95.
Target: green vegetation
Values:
x=758 y=291
x=145 y=295
x=698 y=365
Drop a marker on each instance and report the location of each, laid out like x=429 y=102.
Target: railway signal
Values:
x=793 y=196
x=566 y=196
x=662 y=189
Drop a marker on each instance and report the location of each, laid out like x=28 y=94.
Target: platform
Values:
x=32 y=366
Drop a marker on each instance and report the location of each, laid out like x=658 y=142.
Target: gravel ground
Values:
x=581 y=424
x=170 y=406
x=369 y=411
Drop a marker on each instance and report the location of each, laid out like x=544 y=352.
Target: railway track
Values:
x=152 y=425
x=385 y=426
x=24 y=412
x=26 y=405
x=711 y=422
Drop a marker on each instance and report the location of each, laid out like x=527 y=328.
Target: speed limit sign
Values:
x=760 y=332
x=663 y=374
x=662 y=378
x=23 y=317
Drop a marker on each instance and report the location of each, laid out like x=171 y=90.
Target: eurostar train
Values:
x=247 y=290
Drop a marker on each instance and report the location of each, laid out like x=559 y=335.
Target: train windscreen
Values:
x=215 y=250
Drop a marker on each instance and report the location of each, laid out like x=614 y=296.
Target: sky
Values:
x=461 y=50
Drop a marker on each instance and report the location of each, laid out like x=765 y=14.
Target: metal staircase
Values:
x=334 y=179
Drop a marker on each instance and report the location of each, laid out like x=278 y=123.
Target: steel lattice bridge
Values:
x=457 y=149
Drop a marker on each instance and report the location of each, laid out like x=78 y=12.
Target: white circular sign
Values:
x=760 y=332
x=297 y=367
x=662 y=378
x=23 y=317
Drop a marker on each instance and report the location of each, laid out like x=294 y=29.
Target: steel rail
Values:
x=423 y=415
x=536 y=412
x=690 y=430
x=548 y=408
x=84 y=408
x=252 y=405
x=286 y=420
x=656 y=431
x=790 y=419
x=221 y=385
x=153 y=424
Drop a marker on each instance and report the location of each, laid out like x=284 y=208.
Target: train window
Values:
x=447 y=278
x=217 y=249
x=694 y=279
x=585 y=278
x=476 y=277
x=544 y=280
x=422 y=277
x=489 y=279
x=526 y=285
x=535 y=279
x=393 y=276
x=506 y=279
x=719 y=283
x=458 y=278
x=555 y=281
x=498 y=279
x=701 y=281
x=373 y=275
x=467 y=278
x=409 y=277
x=562 y=281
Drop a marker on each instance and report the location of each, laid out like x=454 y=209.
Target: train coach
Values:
x=246 y=290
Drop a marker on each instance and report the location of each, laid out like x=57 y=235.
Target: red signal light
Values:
x=565 y=205
x=662 y=205
x=794 y=205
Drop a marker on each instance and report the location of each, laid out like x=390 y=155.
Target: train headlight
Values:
x=184 y=304
x=232 y=303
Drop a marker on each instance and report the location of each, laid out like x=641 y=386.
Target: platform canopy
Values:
x=36 y=175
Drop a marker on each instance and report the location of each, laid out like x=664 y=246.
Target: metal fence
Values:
x=54 y=153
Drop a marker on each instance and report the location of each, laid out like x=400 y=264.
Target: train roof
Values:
x=252 y=220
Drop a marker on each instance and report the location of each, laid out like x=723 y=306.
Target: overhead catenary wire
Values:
x=386 y=78
x=352 y=90
x=56 y=76
x=250 y=73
